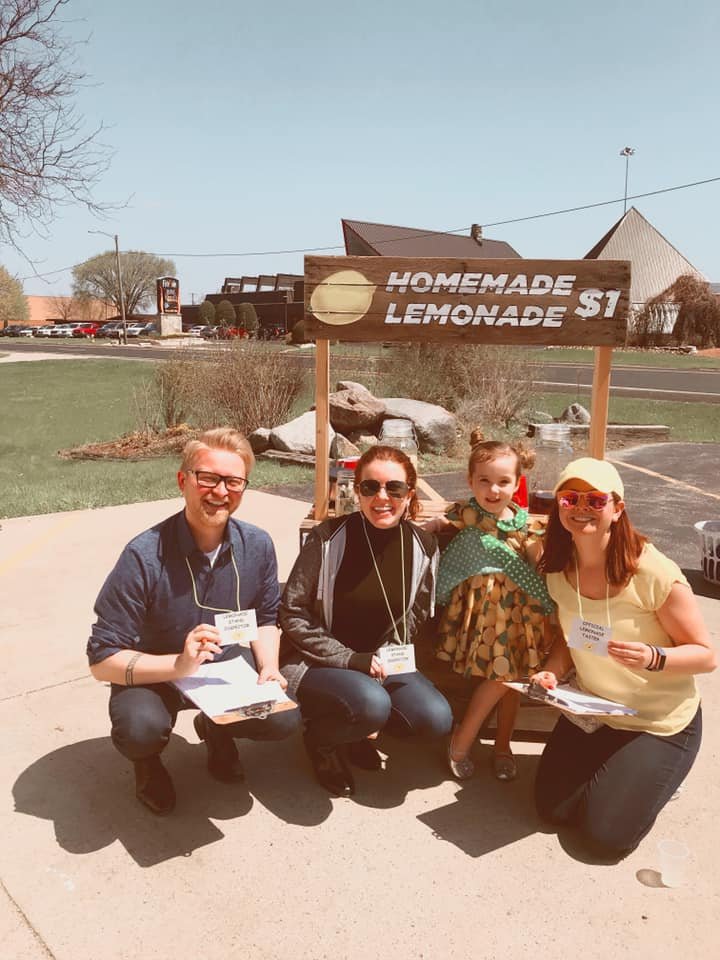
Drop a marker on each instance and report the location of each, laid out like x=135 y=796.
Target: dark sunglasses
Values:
x=397 y=489
x=567 y=499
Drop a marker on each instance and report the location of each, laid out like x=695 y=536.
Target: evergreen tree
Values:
x=248 y=319
x=206 y=313
x=225 y=314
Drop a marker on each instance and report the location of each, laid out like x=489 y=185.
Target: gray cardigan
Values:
x=306 y=608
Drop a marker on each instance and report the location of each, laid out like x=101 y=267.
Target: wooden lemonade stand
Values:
x=454 y=301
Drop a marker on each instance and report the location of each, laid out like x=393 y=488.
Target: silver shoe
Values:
x=462 y=768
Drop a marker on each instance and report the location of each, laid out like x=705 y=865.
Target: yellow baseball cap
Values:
x=600 y=474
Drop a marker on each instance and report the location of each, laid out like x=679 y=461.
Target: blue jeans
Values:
x=612 y=784
x=344 y=706
x=143 y=717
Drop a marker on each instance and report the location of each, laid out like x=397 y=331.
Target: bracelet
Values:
x=130 y=668
x=657 y=659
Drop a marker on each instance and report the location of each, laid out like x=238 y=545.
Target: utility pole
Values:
x=120 y=290
x=114 y=237
x=626 y=152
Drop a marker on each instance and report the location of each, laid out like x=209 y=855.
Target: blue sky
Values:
x=242 y=127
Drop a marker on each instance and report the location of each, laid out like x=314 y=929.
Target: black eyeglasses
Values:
x=209 y=480
x=397 y=489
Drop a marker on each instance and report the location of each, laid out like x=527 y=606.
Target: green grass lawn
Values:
x=625 y=358
x=49 y=405
x=55 y=404
x=584 y=355
x=689 y=422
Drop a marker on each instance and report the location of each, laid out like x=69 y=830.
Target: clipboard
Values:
x=571 y=700
x=227 y=691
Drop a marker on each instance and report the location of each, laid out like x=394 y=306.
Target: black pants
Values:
x=142 y=719
x=612 y=784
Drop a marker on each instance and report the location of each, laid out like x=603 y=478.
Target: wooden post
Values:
x=322 y=427
x=600 y=401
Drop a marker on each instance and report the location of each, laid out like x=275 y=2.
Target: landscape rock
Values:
x=575 y=413
x=354 y=409
x=435 y=427
x=539 y=416
x=352 y=385
x=341 y=447
x=362 y=440
x=259 y=440
x=298 y=435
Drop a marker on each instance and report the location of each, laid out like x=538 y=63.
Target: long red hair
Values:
x=383 y=452
x=623 y=551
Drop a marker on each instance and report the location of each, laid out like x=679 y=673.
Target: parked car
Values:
x=273 y=331
x=17 y=330
x=64 y=329
x=199 y=330
x=142 y=330
x=110 y=329
x=44 y=331
x=86 y=330
x=224 y=333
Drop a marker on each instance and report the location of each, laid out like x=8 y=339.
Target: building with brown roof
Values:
x=364 y=239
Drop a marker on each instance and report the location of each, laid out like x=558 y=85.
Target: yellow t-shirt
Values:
x=665 y=702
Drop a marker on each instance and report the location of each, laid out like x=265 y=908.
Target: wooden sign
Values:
x=533 y=302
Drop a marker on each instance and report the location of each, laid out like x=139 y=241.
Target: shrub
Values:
x=241 y=384
x=297 y=334
x=481 y=383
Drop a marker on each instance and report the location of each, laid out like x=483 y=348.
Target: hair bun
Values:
x=476 y=437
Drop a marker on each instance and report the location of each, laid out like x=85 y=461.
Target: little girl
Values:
x=494 y=623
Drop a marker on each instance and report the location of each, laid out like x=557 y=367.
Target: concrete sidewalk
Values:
x=416 y=865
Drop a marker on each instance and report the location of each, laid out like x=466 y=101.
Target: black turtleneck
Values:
x=360 y=614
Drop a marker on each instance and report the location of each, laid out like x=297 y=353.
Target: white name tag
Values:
x=591 y=637
x=398 y=659
x=240 y=627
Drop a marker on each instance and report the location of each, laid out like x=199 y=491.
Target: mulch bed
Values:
x=138 y=445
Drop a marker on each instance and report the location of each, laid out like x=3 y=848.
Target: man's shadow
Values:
x=88 y=790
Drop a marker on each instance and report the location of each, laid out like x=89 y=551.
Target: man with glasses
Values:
x=156 y=617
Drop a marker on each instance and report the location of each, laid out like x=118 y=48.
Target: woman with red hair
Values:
x=361 y=588
x=645 y=641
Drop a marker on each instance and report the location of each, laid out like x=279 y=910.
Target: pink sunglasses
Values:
x=567 y=499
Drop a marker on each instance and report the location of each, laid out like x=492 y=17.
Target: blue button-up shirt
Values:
x=147 y=601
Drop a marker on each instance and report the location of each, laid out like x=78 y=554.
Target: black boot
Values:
x=153 y=785
x=330 y=769
x=223 y=762
x=363 y=754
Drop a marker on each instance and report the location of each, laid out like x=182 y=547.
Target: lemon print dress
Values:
x=494 y=624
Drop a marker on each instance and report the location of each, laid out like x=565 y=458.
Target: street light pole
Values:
x=114 y=236
x=626 y=152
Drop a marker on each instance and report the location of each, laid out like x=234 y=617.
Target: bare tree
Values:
x=65 y=308
x=46 y=155
x=97 y=278
x=77 y=308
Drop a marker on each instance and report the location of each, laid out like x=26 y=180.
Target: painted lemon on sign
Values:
x=343 y=297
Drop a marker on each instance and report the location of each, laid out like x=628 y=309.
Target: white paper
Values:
x=590 y=637
x=399 y=658
x=238 y=627
x=225 y=686
x=578 y=702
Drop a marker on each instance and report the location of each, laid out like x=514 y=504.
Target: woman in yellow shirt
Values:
x=612 y=783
